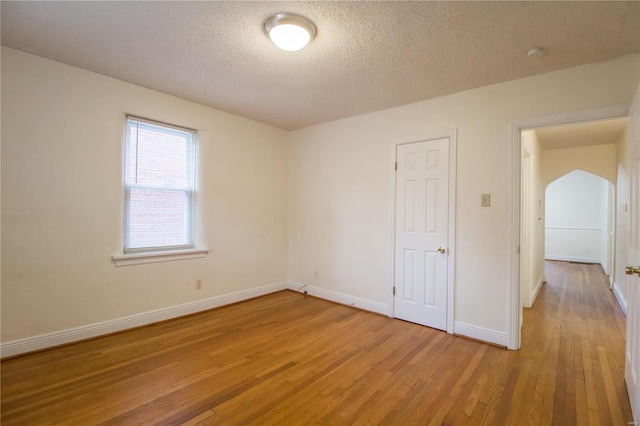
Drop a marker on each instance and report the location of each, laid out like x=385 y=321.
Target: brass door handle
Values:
x=630 y=270
x=442 y=250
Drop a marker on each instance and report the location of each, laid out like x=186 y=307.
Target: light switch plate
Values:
x=485 y=200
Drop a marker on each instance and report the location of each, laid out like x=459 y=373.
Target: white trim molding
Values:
x=514 y=307
x=622 y=301
x=576 y=259
x=536 y=291
x=496 y=337
x=341 y=298
x=573 y=228
x=158 y=256
x=459 y=328
x=69 y=335
x=452 y=135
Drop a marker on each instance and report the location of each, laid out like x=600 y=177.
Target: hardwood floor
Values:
x=291 y=360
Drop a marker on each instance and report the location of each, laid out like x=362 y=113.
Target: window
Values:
x=159 y=186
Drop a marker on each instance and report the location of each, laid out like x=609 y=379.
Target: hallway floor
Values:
x=575 y=336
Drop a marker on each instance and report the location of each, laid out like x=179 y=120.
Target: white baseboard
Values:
x=343 y=299
x=536 y=291
x=604 y=268
x=480 y=333
x=492 y=336
x=611 y=281
x=574 y=259
x=56 y=338
x=622 y=301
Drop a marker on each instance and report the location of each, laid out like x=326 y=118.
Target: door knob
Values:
x=442 y=250
x=630 y=270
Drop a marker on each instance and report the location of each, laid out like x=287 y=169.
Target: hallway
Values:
x=576 y=325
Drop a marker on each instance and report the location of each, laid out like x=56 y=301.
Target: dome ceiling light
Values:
x=289 y=32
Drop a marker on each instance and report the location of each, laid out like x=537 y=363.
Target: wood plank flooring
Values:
x=287 y=359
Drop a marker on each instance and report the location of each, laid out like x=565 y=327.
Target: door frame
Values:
x=451 y=237
x=514 y=307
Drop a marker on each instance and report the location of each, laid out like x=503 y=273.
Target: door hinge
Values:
x=394 y=290
x=396 y=166
x=518 y=250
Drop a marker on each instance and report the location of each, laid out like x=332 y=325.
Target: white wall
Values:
x=339 y=184
x=575 y=205
x=62 y=200
x=532 y=250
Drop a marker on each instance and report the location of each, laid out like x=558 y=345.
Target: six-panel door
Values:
x=422 y=200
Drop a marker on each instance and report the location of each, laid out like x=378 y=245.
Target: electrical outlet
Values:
x=315 y=274
x=198 y=284
x=485 y=200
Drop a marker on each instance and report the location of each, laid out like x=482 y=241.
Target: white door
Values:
x=422 y=199
x=632 y=350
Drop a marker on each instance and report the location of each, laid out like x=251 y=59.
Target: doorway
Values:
x=528 y=255
x=579 y=220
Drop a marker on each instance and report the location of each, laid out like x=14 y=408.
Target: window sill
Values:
x=158 y=256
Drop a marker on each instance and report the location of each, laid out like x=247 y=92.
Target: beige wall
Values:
x=620 y=286
x=339 y=184
x=320 y=194
x=598 y=159
x=62 y=200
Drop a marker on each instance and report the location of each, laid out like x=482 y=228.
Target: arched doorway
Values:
x=579 y=222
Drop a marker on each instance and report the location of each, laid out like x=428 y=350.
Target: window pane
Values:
x=158 y=156
x=158 y=218
x=159 y=180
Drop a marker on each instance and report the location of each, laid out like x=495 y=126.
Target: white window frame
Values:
x=153 y=254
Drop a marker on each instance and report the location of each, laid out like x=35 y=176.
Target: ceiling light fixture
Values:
x=289 y=32
x=535 y=52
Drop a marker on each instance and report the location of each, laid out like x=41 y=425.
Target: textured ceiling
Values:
x=367 y=56
x=582 y=134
